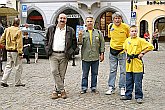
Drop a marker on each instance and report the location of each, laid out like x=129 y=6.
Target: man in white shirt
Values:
x=60 y=44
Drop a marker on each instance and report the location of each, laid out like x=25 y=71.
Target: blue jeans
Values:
x=94 y=72
x=114 y=60
x=132 y=78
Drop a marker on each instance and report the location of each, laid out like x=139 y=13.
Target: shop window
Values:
x=105 y=20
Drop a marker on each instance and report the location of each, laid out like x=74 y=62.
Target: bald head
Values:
x=16 y=22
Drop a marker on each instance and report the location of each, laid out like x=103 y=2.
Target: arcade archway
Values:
x=143 y=28
x=102 y=22
x=35 y=18
x=73 y=18
x=160 y=25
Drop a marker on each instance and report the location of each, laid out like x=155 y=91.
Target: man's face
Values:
x=133 y=32
x=117 y=20
x=62 y=19
x=89 y=22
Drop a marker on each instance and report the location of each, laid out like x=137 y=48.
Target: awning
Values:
x=5 y=11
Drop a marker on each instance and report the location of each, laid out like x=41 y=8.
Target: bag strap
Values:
x=110 y=26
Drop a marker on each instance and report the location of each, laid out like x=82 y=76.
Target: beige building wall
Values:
x=149 y=13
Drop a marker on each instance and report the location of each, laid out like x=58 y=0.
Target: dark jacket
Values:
x=70 y=41
x=1 y=31
x=27 y=49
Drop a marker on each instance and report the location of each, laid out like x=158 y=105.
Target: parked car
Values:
x=38 y=42
x=30 y=27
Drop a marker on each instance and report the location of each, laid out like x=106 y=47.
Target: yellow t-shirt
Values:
x=118 y=35
x=136 y=46
x=90 y=33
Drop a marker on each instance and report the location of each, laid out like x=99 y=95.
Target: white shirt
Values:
x=59 y=39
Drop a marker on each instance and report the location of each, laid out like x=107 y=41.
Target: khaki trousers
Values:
x=58 y=65
x=13 y=60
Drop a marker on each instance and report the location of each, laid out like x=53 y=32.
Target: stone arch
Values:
x=142 y=17
x=113 y=8
x=154 y=20
x=31 y=8
x=65 y=7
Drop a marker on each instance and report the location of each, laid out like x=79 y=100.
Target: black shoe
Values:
x=124 y=98
x=28 y=62
x=18 y=85
x=4 y=85
x=83 y=91
x=95 y=91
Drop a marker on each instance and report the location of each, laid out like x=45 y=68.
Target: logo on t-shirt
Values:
x=112 y=29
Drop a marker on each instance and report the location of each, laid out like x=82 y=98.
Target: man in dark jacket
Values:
x=60 y=44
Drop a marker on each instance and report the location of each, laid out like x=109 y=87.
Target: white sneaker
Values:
x=122 y=91
x=110 y=91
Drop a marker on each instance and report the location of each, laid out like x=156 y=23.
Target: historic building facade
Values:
x=150 y=15
x=45 y=12
x=10 y=11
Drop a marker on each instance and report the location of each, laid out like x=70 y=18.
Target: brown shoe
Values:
x=63 y=94
x=54 y=95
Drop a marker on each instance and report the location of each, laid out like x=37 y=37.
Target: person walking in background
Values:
x=136 y=48
x=1 y=29
x=147 y=35
x=27 y=46
x=118 y=33
x=93 y=47
x=1 y=50
x=155 y=38
x=60 y=44
x=12 y=39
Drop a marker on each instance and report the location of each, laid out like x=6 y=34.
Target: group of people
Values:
x=126 y=50
x=155 y=38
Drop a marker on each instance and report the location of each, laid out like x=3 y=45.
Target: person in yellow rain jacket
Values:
x=136 y=48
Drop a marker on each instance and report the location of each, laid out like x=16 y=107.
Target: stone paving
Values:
x=39 y=85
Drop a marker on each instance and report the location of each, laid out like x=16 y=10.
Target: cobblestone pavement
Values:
x=39 y=85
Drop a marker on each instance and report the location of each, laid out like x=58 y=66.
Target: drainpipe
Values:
x=131 y=5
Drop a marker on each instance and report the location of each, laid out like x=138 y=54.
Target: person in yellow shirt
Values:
x=118 y=32
x=136 y=48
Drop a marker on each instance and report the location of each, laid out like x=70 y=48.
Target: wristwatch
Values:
x=142 y=53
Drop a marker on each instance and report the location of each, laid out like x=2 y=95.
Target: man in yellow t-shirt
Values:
x=118 y=32
x=136 y=48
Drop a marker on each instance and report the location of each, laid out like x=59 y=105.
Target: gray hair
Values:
x=116 y=14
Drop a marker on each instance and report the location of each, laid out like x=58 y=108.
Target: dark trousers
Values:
x=131 y=79
x=86 y=65
x=26 y=53
x=155 y=44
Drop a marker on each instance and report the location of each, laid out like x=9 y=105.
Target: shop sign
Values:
x=156 y=2
x=73 y=16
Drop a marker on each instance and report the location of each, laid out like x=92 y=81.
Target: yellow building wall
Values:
x=149 y=13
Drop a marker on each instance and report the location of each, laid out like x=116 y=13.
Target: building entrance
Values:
x=160 y=25
x=35 y=18
x=73 y=18
x=143 y=28
x=102 y=22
